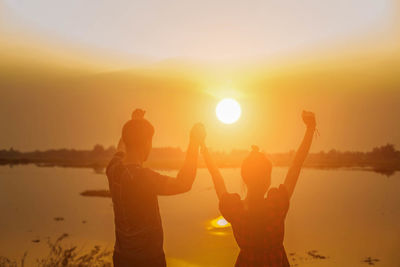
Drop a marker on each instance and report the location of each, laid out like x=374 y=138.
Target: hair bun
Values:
x=254 y=148
x=138 y=114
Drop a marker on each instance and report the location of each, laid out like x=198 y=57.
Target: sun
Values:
x=228 y=110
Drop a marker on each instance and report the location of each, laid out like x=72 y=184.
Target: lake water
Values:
x=345 y=215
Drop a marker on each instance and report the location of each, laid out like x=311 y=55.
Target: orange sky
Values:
x=57 y=95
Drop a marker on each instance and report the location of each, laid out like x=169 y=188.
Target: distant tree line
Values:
x=385 y=159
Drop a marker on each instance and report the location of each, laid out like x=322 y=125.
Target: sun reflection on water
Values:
x=218 y=225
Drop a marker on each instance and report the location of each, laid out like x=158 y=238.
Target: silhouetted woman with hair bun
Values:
x=258 y=221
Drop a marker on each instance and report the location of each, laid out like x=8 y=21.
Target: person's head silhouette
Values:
x=256 y=172
x=137 y=135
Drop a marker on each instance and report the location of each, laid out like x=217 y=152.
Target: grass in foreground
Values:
x=60 y=256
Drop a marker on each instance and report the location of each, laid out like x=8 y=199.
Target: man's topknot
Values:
x=138 y=114
x=137 y=131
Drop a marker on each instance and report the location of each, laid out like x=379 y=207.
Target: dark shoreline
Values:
x=99 y=167
x=384 y=159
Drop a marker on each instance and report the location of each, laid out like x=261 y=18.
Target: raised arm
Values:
x=301 y=154
x=185 y=178
x=217 y=178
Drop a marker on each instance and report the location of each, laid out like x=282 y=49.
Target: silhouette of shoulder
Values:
x=277 y=201
x=231 y=206
x=275 y=204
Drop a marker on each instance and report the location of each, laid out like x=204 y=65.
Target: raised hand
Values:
x=218 y=180
x=301 y=154
x=309 y=119
x=198 y=134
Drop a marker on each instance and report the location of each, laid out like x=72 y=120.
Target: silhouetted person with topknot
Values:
x=134 y=190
